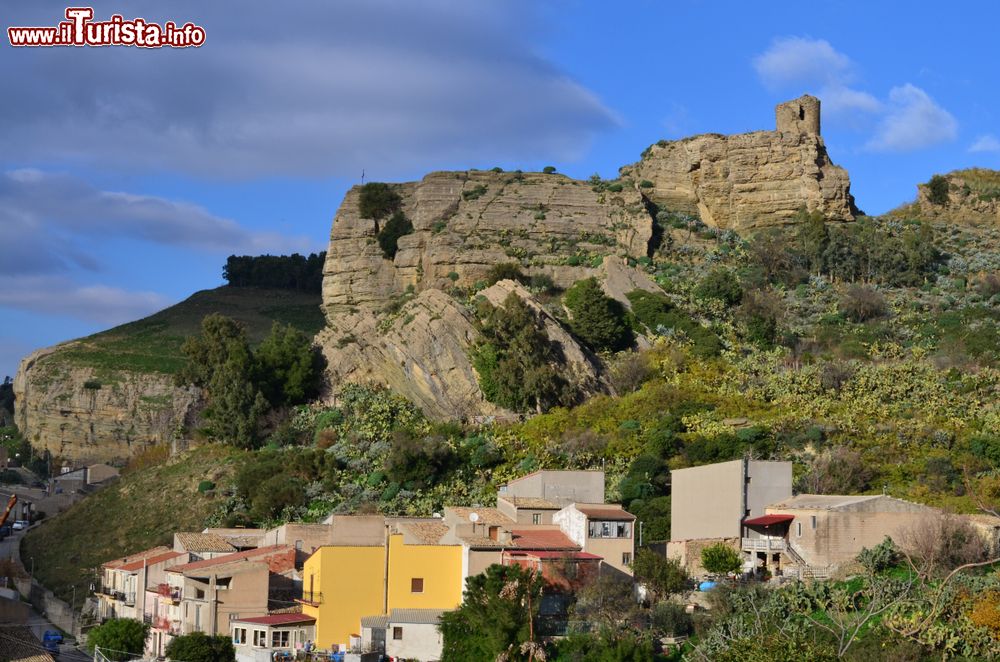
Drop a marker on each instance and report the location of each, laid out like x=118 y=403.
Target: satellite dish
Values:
x=473 y=517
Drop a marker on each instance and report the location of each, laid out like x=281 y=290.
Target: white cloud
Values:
x=913 y=121
x=305 y=88
x=55 y=295
x=44 y=216
x=842 y=100
x=802 y=61
x=985 y=143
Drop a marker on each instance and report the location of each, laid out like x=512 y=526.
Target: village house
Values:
x=123 y=583
x=404 y=634
x=259 y=638
x=202 y=546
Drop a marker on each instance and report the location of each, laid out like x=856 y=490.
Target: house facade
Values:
x=259 y=638
x=121 y=592
x=605 y=530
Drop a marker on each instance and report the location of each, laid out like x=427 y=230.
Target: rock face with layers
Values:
x=80 y=415
x=750 y=180
x=972 y=198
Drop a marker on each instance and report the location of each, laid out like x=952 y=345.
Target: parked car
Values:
x=5 y=530
x=51 y=640
x=21 y=524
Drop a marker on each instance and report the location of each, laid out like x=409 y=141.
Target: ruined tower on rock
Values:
x=750 y=180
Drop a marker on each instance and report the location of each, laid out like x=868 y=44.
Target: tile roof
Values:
x=18 y=644
x=605 y=511
x=481 y=542
x=532 y=503
x=427 y=533
x=539 y=538
x=490 y=516
x=261 y=554
x=152 y=560
x=138 y=556
x=276 y=619
x=375 y=622
x=203 y=542
x=552 y=554
x=416 y=616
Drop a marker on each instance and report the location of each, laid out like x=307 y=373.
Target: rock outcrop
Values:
x=750 y=180
x=970 y=196
x=81 y=414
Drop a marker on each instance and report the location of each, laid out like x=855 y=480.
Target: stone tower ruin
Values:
x=798 y=116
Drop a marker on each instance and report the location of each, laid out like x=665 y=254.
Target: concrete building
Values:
x=124 y=581
x=559 y=487
x=606 y=530
x=202 y=546
x=823 y=531
x=258 y=638
x=404 y=634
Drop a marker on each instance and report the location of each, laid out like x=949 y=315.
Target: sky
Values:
x=127 y=175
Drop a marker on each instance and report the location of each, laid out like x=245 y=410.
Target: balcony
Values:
x=168 y=592
x=166 y=625
x=116 y=595
x=311 y=598
x=765 y=544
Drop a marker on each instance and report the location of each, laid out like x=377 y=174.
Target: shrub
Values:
x=662 y=576
x=941 y=542
x=721 y=559
x=438 y=227
x=761 y=313
x=720 y=284
x=861 y=303
x=505 y=271
x=377 y=200
x=672 y=620
x=548 y=170
x=656 y=313
x=388 y=237
x=475 y=192
x=92 y=385
x=417 y=463
x=200 y=647
x=597 y=319
x=206 y=486
x=645 y=184
x=119 y=638
x=937 y=190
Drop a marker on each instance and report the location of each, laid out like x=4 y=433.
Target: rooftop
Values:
x=605 y=511
x=18 y=644
x=151 y=560
x=259 y=554
x=552 y=554
x=542 y=538
x=488 y=516
x=824 y=501
x=531 y=503
x=417 y=616
x=203 y=542
x=426 y=533
x=277 y=619
x=138 y=556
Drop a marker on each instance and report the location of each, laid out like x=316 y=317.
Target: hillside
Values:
x=107 y=396
x=965 y=197
x=129 y=515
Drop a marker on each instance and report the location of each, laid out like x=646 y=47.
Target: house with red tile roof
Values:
x=122 y=587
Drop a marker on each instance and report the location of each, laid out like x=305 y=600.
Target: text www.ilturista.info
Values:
x=81 y=30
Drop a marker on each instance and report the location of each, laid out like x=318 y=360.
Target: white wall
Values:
x=420 y=642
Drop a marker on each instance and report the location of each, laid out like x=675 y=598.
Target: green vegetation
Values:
x=377 y=200
x=721 y=559
x=657 y=314
x=200 y=647
x=937 y=190
x=548 y=170
x=721 y=284
x=518 y=366
x=596 y=318
x=69 y=548
x=505 y=271
x=285 y=272
x=119 y=639
x=153 y=344
x=474 y=193
x=388 y=237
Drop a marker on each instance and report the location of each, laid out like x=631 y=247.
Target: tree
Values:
x=417 y=463
x=937 y=190
x=861 y=303
x=721 y=559
x=377 y=200
x=515 y=361
x=388 y=237
x=119 y=638
x=839 y=470
x=814 y=238
x=597 y=319
x=199 y=647
x=496 y=616
x=939 y=543
x=721 y=284
x=289 y=369
x=662 y=576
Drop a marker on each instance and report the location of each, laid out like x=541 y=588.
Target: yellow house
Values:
x=342 y=583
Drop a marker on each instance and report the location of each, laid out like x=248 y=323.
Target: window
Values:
x=279 y=639
x=260 y=638
x=417 y=585
x=601 y=529
x=397 y=633
x=626 y=558
x=536 y=518
x=813 y=520
x=197 y=617
x=240 y=636
x=199 y=594
x=798 y=529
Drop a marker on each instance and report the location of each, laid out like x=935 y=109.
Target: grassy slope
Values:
x=141 y=510
x=153 y=344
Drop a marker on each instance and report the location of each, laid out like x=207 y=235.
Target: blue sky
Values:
x=127 y=176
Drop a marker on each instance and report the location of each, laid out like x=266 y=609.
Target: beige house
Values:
x=122 y=588
x=606 y=530
x=823 y=531
x=204 y=596
x=202 y=546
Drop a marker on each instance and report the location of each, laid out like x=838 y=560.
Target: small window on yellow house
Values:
x=417 y=585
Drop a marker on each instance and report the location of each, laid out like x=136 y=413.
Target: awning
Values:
x=768 y=520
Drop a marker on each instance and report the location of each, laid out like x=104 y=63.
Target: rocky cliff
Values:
x=970 y=196
x=749 y=180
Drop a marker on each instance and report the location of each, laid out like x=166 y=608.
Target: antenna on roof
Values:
x=473 y=517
